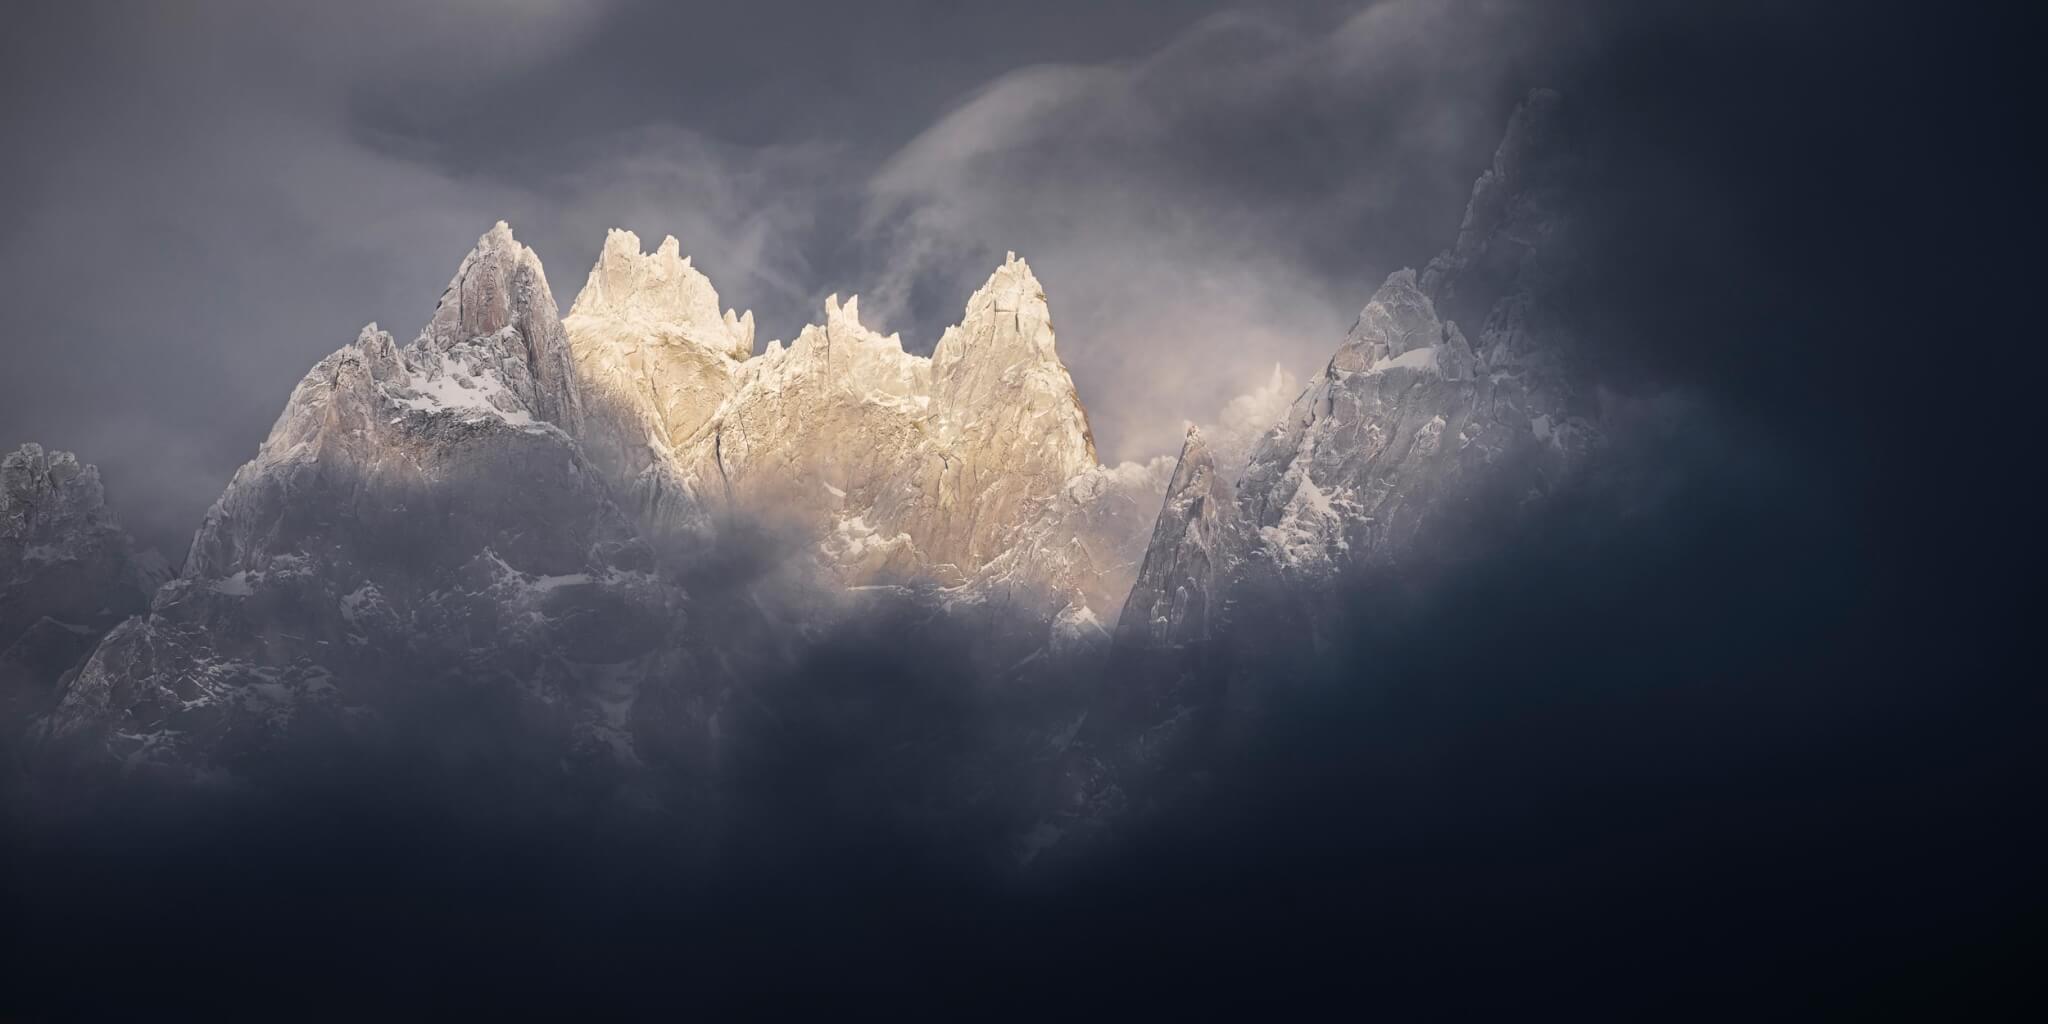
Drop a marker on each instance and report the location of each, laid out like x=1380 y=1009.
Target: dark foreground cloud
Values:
x=1627 y=760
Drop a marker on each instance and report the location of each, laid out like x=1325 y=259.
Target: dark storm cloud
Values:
x=1747 y=740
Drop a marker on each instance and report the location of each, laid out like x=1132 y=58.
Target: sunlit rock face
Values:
x=972 y=469
x=656 y=359
x=68 y=574
x=417 y=515
x=1412 y=436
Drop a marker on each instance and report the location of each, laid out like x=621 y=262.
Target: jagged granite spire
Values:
x=655 y=360
x=975 y=463
x=1197 y=542
x=498 y=305
x=1001 y=359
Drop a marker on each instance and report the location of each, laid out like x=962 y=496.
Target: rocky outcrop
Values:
x=419 y=517
x=1196 y=545
x=68 y=574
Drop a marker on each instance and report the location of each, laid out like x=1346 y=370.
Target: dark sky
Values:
x=204 y=198
x=199 y=200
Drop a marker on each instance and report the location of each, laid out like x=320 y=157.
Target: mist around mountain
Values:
x=1493 y=673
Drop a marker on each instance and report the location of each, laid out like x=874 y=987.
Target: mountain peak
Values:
x=1193 y=545
x=499 y=303
x=1012 y=284
x=661 y=294
x=1007 y=322
x=493 y=287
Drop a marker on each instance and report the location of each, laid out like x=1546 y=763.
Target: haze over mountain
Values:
x=529 y=506
x=1301 y=514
